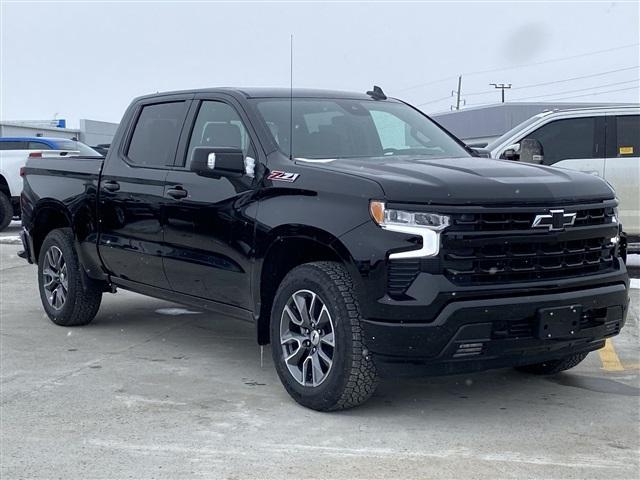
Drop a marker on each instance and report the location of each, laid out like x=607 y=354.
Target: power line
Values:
x=434 y=101
x=564 y=80
x=578 y=90
x=597 y=93
x=513 y=67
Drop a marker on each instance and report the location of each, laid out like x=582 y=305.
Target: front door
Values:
x=209 y=230
x=132 y=192
x=573 y=143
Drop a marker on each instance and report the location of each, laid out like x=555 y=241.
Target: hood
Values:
x=474 y=180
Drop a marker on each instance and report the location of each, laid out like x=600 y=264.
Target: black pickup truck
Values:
x=360 y=237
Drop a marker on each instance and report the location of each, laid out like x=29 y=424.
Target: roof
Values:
x=50 y=140
x=272 y=92
x=494 y=120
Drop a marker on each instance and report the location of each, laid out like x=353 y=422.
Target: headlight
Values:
x=426 y=225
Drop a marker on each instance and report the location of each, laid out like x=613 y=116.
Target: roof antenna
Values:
x=291 y=98
x=377 y=93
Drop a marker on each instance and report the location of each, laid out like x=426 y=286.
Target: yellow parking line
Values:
x=609 y=358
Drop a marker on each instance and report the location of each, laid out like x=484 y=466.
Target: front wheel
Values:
x=317 y=339
x=68 y=296
x=554 y=366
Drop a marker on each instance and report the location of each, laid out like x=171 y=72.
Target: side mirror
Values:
x=218 y=162
x=512 y=152
x=481 y=152
x=531 y=151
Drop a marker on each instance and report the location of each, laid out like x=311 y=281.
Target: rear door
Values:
x=622 y=167
x=209 y=228
x=574 y=143
x=132 y=190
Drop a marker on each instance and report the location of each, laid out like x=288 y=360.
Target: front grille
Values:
x=486 y=246
x=514 y=220
x=493 y=247
x=502 y=261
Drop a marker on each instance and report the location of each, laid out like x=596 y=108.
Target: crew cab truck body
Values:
x=372 y=244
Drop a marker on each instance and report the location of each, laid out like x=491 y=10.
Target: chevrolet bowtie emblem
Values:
x=554 y=220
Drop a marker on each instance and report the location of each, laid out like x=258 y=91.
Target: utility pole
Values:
x=501 y=86
x=457 y=92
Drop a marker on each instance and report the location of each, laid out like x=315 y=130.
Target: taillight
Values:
x=35 y=155
x=22 y=171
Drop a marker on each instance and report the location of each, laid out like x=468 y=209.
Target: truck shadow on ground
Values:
x=216 y=340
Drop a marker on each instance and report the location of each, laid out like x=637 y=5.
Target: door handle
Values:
x=110 y=186
x=177 y=192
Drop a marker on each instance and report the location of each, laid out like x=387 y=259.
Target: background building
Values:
x=91 y=132
x=478 y=126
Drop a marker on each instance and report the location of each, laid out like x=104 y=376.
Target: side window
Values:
x=155 y=137
x=13 y=145
x=628 y=136
x=38 y=146
x=566 y=139
x=219 y=125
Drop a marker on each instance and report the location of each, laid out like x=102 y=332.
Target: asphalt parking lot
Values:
x=153 y=390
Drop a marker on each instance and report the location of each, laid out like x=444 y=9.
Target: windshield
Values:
x=345 y=128
x=79 y=146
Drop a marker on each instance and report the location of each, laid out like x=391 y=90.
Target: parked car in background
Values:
x=14 y=152
x=603 y=141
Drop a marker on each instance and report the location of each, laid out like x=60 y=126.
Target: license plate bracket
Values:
x=559 y=322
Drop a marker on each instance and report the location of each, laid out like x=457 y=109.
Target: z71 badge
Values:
x=283 y=176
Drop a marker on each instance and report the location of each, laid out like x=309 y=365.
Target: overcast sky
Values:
x=89 y=59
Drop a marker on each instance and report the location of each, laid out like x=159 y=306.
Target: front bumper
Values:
x=471 y=335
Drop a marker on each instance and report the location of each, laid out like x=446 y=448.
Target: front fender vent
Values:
x=400 y=276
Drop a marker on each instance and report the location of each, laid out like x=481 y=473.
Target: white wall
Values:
x=94 y=132
x=9 y=130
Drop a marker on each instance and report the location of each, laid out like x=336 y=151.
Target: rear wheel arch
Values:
x=288 y=249
x=48 y=217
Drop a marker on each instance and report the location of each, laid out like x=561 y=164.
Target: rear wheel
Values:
x=553 y=366
x=68 y=296
x=317 y=340
x=6 y=211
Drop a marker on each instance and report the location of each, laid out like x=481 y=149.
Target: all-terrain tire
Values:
x=553 y=366
x=6 y=211
x=83 y=296
x=352 y=377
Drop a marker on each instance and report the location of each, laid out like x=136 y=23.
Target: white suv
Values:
x=603 y=141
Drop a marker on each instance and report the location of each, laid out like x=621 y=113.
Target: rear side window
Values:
x=38 y=146
x=566 y=139
x=628 y=136
x=155 y=137
x=12 y=145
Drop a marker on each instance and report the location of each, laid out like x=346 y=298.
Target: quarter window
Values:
x=566 y=139
x=155 y=137
x=38 y=146
x=628 y=136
